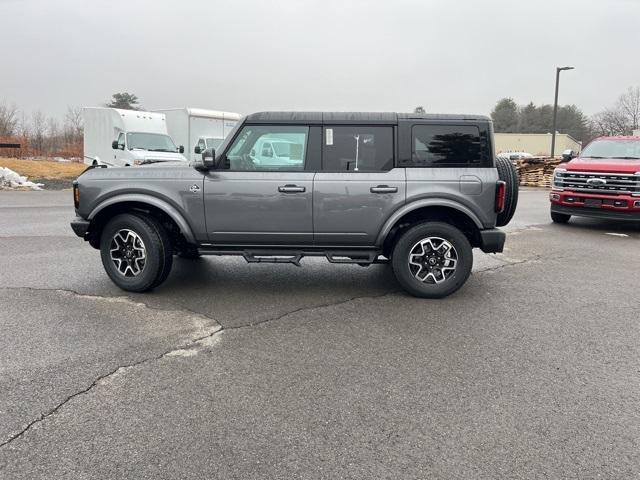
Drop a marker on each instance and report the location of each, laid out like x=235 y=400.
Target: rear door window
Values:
x=446 y=146
x=357 y=148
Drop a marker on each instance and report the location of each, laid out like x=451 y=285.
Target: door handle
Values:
x=291 y=189
x=383 y=189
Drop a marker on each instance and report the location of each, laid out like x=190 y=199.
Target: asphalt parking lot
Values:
x=229 y=370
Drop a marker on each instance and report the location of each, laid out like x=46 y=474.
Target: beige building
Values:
x=538 y=144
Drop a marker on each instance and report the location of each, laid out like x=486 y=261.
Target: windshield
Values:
x=213 y=142
x=152 y=142
x=626 y=149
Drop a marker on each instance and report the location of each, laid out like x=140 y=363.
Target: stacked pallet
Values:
x=536 y=172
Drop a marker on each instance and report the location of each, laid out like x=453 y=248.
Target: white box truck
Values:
x=121 y=138
x=193 y=127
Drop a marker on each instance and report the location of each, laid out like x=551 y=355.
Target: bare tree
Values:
x=38 y=131
x=622 y=118
x=52 y=139
x=73 y=125
x=23 y=129
x=629 y=105
x=609 y=122
x=8 y=120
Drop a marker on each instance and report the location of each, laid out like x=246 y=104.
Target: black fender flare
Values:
x=427 y=202
x=166 y=207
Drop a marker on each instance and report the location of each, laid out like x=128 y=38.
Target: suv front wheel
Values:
x=432 y=260
x=136 y=252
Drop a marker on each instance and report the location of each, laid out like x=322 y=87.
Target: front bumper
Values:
x=80 y=226
x=596 y=213
x=492 y=240
x=617 y=207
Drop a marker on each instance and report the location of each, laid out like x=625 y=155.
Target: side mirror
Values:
x=114 y=145
x=181 y=149
x=568 y=155
x=208 y=160
x=197 y=149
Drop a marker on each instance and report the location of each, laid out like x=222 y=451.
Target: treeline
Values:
x=620 y=119
x=40 y=135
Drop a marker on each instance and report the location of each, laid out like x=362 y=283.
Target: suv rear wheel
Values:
x=432 y=260
x=136 y=252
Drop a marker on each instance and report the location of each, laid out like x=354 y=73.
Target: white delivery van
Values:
x=193 y=127
x=121 y=138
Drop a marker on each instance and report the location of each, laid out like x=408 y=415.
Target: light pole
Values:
x=555 y=109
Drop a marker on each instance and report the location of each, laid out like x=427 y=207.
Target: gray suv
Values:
x=416 y=191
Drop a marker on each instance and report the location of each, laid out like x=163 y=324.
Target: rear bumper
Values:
x=492 y=240
x=606 y=214
x=80 y=226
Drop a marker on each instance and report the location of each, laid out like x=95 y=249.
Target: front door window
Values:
x=268 y=148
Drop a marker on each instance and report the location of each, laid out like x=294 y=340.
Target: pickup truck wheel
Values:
x=432 y=260
x=508 y=174
x=135 y=252
x=560 y=217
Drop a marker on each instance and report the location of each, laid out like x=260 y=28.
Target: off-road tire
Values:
x=559 y=217
x=157 y=247
x=413 y=236
x=168 y=254
x=508 y=174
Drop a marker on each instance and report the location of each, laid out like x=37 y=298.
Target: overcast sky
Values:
x=251 y=55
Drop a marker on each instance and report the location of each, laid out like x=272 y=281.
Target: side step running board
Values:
x=352 y=257
x=294 y=255
x=257 y=258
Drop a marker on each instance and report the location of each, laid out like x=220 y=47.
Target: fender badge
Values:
x=194 y=188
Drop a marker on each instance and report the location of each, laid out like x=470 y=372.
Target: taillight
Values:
x=76 y=194
x=501 y=190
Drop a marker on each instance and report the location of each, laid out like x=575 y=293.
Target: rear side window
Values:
x=446 y=146
x=357 y=149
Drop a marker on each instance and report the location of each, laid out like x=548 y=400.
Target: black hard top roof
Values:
x=351 y=117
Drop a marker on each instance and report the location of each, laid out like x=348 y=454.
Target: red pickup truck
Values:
x=602 y=182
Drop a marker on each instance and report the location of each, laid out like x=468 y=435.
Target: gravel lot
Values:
x=245 y=371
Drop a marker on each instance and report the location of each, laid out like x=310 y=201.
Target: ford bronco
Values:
x=416 y=190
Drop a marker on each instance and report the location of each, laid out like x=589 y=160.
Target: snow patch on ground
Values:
x=10 y=179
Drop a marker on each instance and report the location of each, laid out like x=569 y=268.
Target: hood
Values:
x=162 y=170
x=145 y=155
x=604 y=165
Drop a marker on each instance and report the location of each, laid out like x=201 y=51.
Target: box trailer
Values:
x=116 y=137
x=193 y=127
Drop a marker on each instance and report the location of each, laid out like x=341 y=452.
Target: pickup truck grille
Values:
x=610 y=183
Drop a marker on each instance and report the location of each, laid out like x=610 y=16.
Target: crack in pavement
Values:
x=510 y=263
x=182 y=350
x=311 y=308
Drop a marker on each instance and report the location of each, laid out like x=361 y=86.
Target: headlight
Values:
x=557 y=174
